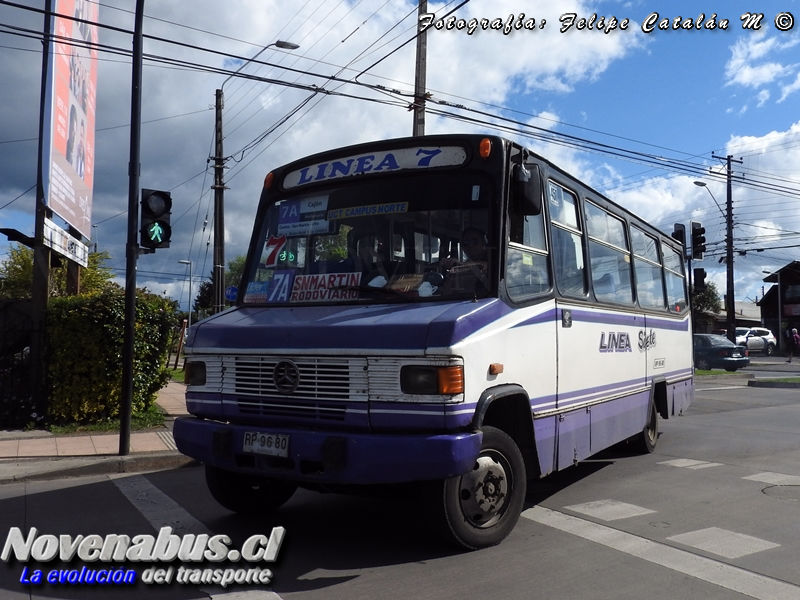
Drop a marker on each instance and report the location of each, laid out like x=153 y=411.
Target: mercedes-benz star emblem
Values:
x=286 y=376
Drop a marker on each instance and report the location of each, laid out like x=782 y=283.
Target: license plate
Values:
x=273 y=444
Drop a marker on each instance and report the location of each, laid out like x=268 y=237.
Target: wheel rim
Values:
x=484 y=491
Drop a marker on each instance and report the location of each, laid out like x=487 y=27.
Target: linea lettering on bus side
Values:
x=617 y=341
x=377 y=162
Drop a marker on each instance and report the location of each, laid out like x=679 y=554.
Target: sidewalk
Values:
x=41 y=455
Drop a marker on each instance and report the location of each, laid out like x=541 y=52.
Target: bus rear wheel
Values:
x=246 y=494
x=481 y=507
x=646 y=441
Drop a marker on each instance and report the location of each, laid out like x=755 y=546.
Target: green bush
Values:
x=84 y=354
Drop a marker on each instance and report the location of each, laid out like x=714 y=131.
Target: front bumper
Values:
x=331 y=457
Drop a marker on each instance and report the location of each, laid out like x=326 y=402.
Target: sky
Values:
x=637 y=110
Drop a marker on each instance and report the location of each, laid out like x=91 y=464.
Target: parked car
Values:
x=757 y=339
x=716 y=352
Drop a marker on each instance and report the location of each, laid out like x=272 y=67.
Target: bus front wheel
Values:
x=481 y=507
x=245 y=494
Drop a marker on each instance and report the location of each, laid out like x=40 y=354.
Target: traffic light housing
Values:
x=679 y=233
x=698 y=240
x=155 y=230
x=699 y=280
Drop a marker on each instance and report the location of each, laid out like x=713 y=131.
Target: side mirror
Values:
x=527 y=189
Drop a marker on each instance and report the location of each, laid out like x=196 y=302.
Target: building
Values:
x=782 y=299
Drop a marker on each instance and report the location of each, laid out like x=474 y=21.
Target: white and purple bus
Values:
x=451 y=309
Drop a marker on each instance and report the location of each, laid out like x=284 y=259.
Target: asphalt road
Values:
x=713 y=513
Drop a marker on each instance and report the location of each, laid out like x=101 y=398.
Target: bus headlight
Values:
x=431 y=381
x=194 y=372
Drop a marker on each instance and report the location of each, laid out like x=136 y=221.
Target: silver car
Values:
x=757 y=339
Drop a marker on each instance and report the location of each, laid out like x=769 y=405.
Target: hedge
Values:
x=84 y=354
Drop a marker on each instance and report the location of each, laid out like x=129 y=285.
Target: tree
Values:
x=705 y=305
x=204 y=301
x=16 y=274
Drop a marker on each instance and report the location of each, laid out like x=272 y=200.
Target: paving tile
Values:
x=8 y=448
x=147 y=442
x=106 y=444
x=75 y=446
x=37 y=447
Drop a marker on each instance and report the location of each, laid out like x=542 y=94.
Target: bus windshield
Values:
x=404 y=239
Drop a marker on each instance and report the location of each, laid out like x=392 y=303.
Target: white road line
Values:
x=706 y=569
x=162 y=511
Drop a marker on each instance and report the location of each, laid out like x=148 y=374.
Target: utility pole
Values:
x=730 y=306
x=218 y=273
x=419 y=78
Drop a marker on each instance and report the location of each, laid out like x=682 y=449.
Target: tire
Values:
x=731 y=369
x=645 y=442
x=247 y=494
x=481 y=507
x=769 y=350
x=702 y=364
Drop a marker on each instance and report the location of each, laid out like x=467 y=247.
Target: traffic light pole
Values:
x=132 y=246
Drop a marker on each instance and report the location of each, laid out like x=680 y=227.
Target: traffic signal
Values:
x=155 y=228
x=679 y=233
x=699 y=280
x=698 y=240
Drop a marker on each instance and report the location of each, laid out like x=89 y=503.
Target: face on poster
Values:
x=72 y=108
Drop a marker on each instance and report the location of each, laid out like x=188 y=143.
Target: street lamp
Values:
x=188 y=262
x=218 y=272
x=780 y=328
x=702 y=184
x=730 y=306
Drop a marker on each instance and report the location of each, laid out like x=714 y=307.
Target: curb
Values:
x=773 y=384
x=731 y=377
x=18 y=470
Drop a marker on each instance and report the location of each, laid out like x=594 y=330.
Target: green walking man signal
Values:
x=155 y=230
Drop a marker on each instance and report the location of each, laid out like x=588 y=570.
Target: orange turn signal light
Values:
x=268 y=180
x=451 y=380
x=485 y=148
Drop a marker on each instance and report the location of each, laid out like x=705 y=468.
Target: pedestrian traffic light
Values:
x=155 y=228
x=698 y=240
x=679 y=233
x=699 y=280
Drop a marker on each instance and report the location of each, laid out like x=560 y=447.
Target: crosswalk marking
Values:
x=609 y=510
x=774 y=478
x=688 y=463
x=162 y=511
x=700 y=567
x=723 y=543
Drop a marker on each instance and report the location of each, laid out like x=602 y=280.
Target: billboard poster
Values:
x=71 y=97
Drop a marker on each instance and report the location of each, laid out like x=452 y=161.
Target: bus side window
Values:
x=649 y=281
x=567 y=241
x=673 y=272
x=609 y=256
x=527 y=273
